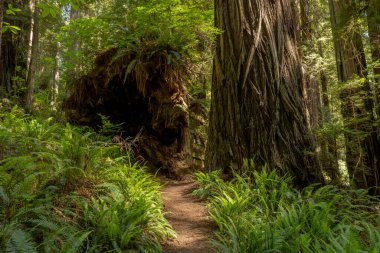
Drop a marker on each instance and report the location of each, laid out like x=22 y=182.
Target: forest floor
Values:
x=189 y=219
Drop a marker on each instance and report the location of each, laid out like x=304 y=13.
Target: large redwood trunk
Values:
x=257 y=109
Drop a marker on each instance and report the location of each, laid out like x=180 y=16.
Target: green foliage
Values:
x=63 y=190
x=263 y=213
x=130 y=216
x=12 y=11
x=49 y=10
x=8 y=27
x=181 y=25
x=52 y=8
x=108 y=128
x=81 y=40
x=185 y=27
x=209 y=184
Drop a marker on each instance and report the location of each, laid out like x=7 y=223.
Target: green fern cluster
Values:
x=263 y=213
x=65 y=189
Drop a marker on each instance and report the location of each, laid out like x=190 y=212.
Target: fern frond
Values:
x=20 y=242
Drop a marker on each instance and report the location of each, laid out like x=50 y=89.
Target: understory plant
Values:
x=262 y=212
x=66 y=189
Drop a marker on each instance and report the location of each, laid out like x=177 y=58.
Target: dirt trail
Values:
x=189 y=218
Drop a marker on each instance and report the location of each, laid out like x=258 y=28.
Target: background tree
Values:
x=310 y=84
x=32 y=57
x=362 y=145
x=13 y=40
x=317 y=108
x=373 y=19
x=1 y=36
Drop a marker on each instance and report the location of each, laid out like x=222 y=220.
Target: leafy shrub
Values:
x=63 y=190
x=263 y=213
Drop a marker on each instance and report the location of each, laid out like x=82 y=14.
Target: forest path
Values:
x=189 y=219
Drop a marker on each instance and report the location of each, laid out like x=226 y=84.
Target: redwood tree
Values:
x=1 y=36
x=30 y=80
x=257 y=109
x=373 y=17
x=310 y=84
x=310 y=18
x=357 y=106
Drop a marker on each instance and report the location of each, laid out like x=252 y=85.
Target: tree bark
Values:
x=2 y=88
x=362 y=145
x=32 y=7
x=306 y=30
x=30 y=80
x=257 y=109
x=310 y=84
x=56 y=77
x=13 y=53
x=373 y=18
x=329 y=149
x=1 y=22
x=75 y=14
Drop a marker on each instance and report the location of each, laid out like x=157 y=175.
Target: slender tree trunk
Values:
x=311 y=91
x=324 y=82
x=32 y=7
x=1 y=22
x=75 y=14
x=362 y=145
x=2 y=88
x=56 y=77
x=257 y=109
x=373 y=17
x=329 y=149
x=13 y=51
x=310 y=84
x=30 y=80
x=306 y=22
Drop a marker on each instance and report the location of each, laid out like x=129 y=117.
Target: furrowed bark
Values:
x=257 y=109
